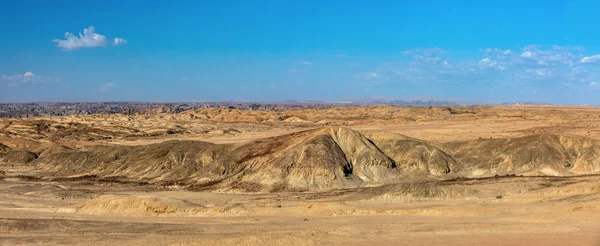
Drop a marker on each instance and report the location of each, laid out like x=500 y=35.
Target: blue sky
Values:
x=475 y=51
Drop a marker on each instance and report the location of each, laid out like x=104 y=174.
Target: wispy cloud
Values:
x=527 y=54
x=372 y=77
x=88 y=39
x=530 y=67
x=556 y=55
x=540 y=72
x=341 y=55
x=590 y=59
x=306 y=63
x=26 y=78
x=567 y=84
x=107 y=87
x=425 y=51
x=119 y=41
x=488 y=63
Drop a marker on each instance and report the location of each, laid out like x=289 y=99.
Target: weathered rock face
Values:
x=4 y=148
x=337 y=158
x=173 y=160
x=544 y=154
x=17 y=156
x=413 y=157
x=306 y=160
x=368 y=162
x=318 y=159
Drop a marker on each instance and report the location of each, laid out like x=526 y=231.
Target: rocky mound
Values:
x=543 y=154
x=168 y=161
x=414 y=157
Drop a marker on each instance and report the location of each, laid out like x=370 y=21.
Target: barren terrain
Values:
x=379 y=175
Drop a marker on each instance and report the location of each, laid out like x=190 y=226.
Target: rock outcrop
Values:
x=324 y=158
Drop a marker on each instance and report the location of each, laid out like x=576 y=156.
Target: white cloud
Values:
x=306 y=63
x=565 y=55
x=119 y=41
x=590 y=59
x=26 y=78
x=530 y=67
x=107 y=87
x=594 y=84
x=540 y=72
x=88 y=39
x=500 y=54
x=527 y=54
x=488 y=63
x=184 y=78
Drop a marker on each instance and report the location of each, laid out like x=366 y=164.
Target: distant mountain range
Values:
x=525 y=103
x=19 y=110
x=406 y=102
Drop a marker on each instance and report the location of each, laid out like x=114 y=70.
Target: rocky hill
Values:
x=319 y=159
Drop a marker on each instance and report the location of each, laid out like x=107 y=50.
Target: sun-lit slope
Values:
x=308 y=159
x=414 y=157
x=324 y=158
x=172 y=160
x=542 y=154
x=330 y=157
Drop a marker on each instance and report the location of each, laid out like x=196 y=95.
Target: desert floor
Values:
x=39 y=209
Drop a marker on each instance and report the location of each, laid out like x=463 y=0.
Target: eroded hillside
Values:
x=318 y=159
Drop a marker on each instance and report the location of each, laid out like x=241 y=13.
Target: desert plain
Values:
x=346 y=175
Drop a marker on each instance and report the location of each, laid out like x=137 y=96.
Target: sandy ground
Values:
x=36 y=210
x=495 y=211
